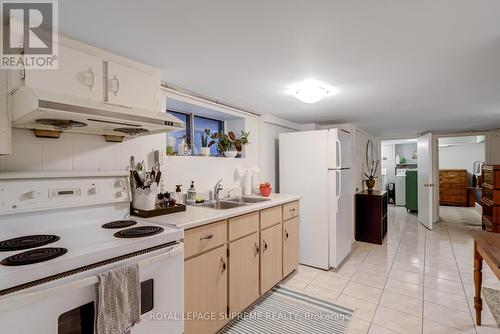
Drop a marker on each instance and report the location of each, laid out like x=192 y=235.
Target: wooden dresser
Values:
x=491 y=198
x=453 y=187
x=371 y=216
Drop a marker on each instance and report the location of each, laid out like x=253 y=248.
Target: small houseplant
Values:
x=222 y=141
x=238 y=143
x=225 y=142
x=205 y=150
x=370 y=181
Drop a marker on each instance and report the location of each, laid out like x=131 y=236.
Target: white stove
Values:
x=53 y=244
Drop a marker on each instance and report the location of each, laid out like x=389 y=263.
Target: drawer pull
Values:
x=291 y=210
x=265 y=245
x=286 y=234
x=207 y=237
x=223 y=265
x=257 y=249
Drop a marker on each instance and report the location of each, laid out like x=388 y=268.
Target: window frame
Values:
x=190 y=125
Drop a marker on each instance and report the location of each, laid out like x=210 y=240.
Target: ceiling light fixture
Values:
x=311 y=91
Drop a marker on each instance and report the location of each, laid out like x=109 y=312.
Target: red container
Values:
x=266 y=191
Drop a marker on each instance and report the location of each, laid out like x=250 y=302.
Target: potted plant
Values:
x=370 y=181
x=238 y=143
x=222 y=141
x=205 y=149
x=225 y=142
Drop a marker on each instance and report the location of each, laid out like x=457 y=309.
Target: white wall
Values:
x=270 y=128
x=78 y=152
x=492 y=148
x=461 y=157
x=5 y=132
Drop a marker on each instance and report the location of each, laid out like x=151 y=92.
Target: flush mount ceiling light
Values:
x=311 y=91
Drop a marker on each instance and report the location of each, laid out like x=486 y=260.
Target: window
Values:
x=195 y=126
x=202 y=123
x=178 y=135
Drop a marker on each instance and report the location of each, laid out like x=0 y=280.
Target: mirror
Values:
x=369 y=154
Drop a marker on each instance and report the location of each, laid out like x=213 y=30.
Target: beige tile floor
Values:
x=418 y=281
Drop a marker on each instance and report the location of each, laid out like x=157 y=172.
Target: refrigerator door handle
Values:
x=339 y=156
x=339 y=187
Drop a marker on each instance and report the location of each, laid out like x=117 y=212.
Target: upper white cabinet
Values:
x=95 y=74
x=129 y=87
x=79 y=74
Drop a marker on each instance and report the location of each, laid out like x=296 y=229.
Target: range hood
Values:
x=43 y=110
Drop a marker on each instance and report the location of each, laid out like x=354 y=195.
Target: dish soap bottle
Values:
x=191 y=194
x=178 y=193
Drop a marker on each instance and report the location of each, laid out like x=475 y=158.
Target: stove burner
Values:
x=119 y=224
x=28 y=241
x=34 y=256
x=138 y=232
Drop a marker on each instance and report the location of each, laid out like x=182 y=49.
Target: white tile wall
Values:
x=77 y=152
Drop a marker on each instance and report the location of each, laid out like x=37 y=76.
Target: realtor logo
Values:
x=29 y=34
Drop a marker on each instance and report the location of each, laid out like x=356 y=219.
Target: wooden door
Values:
x=290 y=245
x=271 y=260
x=78 y=74
x=205 y=290
x=243 y=272
x=131 y=87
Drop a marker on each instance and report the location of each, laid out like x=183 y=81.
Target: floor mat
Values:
x=282 y=310
x=492 y=298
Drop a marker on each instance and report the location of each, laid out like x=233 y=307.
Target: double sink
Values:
x=233 y=202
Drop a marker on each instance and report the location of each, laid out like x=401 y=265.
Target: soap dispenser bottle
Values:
x=191 y=194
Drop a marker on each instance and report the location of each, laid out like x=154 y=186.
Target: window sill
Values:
x=202 y=156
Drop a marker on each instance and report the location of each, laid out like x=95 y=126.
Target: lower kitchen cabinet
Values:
x=229 y=264
x=271 y=270
x=205 y=290
x=290 y=245
x=243 y=272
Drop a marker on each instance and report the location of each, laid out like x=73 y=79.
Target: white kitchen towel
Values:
x=118 y=303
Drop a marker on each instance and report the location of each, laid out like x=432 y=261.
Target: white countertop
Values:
x=195 y=216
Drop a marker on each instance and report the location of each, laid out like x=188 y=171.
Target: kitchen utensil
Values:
x=158 y=178
x=132 y=162
x=138 y=179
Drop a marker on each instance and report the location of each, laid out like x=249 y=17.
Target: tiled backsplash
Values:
x=78 y=152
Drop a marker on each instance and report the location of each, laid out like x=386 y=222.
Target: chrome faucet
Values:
x=218 y=187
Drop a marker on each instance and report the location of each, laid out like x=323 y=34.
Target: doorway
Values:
x=399 y=172
x=460 y=161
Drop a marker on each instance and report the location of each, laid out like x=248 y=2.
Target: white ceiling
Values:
x=402 y=66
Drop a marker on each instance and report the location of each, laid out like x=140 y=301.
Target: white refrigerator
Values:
x=316 y=165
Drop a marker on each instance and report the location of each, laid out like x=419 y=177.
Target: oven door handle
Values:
x=25 y=297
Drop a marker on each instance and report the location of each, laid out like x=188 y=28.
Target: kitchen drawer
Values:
x=291 y=210
x=270 y=217
x=243 y=225
x=201 y=239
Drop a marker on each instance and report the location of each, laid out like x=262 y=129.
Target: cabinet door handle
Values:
x=265 y=245
x=91 y=79
x=223 y=265
x=207 y=237
x=286 y=234
x=114 y=85
x=257 y=249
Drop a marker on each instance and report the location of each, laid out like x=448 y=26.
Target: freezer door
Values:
x=341 y=219
x=339 y=149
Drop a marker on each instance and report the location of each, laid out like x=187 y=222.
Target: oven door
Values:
x=66 y=306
